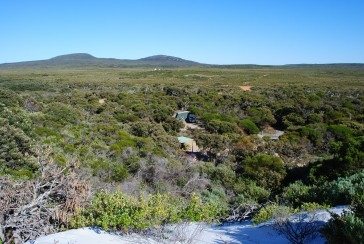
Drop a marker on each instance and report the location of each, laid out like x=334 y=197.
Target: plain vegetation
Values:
x=126 y=147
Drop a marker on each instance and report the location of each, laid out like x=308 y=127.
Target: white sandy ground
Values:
x=243 y=232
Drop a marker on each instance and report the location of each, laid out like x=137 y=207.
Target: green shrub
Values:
x=120 y=212
x=297 y=193
x=18 y=118
x=345 y=189
x=248 y=191
x=347 y=228
x=314 y=132
x=172 y=125
x=9 y=98
x=221 y=127
x=16 y=152
x=249 y=126
x=196 y=210
x=142 y=129
x=261 y=116
x=217 y=197
x=267 y=170
x=293 y=119
x=125 y=117
x=224 y=174
x=312 y=206
x=117 y=211
x=123 y=140
x=271 y=211
x=62 y=113
x=315 y=118
x=118 y=172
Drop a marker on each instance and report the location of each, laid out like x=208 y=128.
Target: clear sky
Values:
x=209 y=31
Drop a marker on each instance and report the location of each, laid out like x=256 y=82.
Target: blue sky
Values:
x=209 y=31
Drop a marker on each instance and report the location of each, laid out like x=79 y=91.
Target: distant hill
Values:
x=161 y=60
x=85 y=60
x=82 y=60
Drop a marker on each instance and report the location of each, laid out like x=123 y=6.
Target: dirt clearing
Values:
x=245 y=88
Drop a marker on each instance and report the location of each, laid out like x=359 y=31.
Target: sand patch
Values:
x=245 y=88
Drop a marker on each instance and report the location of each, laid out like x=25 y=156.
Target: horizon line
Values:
x=185 y=59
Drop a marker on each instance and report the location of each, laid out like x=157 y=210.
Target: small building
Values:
x=188 y=144
x=186 y=116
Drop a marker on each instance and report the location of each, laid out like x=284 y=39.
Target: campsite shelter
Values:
x=182 y=115
x=186 y=116
x=188 y=144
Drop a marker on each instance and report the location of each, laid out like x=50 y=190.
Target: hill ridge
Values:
x=86 y=60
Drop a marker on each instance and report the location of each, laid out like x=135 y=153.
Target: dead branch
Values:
x=42 y=205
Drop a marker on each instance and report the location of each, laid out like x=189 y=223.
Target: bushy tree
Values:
x=261 y=116
x=249 y=126
x=221 y=127
x=347 y=228
x=267 y=170
x=297 y=193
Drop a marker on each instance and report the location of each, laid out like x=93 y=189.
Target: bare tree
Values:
x=183 y=232
x=39 y=206
x=242 y=212
x=298 y=228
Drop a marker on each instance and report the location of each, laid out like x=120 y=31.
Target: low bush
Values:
x=120 y=212
x=221 y=127
x=267 y=170
x=271 y=211
x=347 y=228
x=249 y=191
x=345 y=189
x=17 y=157
x=297 y=193
x=249 y=126
x=62 y=114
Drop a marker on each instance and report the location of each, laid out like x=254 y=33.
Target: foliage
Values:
x=247 y=191
x=271 y=211
x=312 y=206
x=121 y=212
x=297 y=193
x=347 y=155
x=62 y=114
x=261 y=116
x=221 y=127
x=345 y=189
x=249 y=126
x=16 y=152
x=347 y=228
x=268 y=171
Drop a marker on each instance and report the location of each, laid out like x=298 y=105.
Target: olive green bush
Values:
x=268 y=171
x=249 y=126
x=297 y=193
x=116 y=211
x=347 y=228
x=271 y=211
x=17 y=156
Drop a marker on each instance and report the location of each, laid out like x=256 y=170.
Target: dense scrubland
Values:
x=99 y=147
